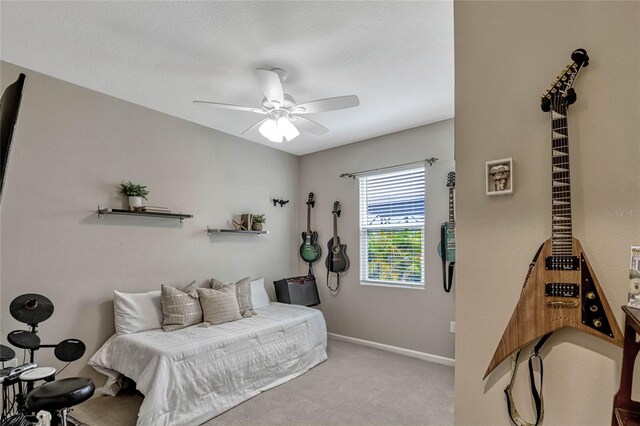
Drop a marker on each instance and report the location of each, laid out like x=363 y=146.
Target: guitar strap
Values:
x=538 y=400
x=443 y=243
x=537 y=395
x=337 y=281
x=447 y=286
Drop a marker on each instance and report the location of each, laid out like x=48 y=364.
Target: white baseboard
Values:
x=395 y=349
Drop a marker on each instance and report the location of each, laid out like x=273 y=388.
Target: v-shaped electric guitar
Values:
x=561 y=289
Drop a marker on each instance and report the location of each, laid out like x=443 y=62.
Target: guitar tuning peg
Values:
x=564 y=78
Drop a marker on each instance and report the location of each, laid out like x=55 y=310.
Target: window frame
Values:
x=364 y=238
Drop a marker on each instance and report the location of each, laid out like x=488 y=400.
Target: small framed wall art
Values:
x=499 y=176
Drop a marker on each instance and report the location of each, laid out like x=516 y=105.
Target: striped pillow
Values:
x=180 y=308
x=243 y=294
x=219 y=306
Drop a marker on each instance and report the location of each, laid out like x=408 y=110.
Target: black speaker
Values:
x=297 y=291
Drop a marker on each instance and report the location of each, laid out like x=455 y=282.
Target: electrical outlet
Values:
x=11 y=363
x=452 y=327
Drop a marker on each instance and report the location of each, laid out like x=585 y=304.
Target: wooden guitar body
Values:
x=310 y=250
x=564 y=294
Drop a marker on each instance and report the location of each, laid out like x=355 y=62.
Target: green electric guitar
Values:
x=310 y=249
x=447 y=244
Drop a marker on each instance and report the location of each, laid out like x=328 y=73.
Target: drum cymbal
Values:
x=69 y=350
x=24 y=339
x=31 y=308
x=6 y=353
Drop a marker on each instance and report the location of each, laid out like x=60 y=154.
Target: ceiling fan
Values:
x=284 y=117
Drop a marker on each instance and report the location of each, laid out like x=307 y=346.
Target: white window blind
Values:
x=392 y=213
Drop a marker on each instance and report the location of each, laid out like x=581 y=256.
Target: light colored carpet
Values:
x=357 y=385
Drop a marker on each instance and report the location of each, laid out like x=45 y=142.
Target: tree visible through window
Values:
x=392 y=213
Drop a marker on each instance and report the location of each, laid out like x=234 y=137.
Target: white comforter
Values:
x=191 y=375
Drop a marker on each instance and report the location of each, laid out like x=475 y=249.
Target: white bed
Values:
x=191 y=375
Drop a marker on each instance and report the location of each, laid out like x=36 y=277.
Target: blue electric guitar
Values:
x=447 y=244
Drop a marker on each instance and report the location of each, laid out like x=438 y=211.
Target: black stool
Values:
x=60 y=395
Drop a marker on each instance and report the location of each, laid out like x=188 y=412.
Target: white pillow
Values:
x=259 y=295
x=136 y=312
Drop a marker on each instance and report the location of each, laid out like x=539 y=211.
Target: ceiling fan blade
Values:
x=235 y=107
x=271 y=86
x=329 y=104
x=255 y=126
x=310 y=126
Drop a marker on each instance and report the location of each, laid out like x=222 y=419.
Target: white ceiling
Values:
x=397 y=57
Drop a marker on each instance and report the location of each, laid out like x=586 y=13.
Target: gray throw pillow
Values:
x=219 y=306
x=243 y=294
x=180 y=307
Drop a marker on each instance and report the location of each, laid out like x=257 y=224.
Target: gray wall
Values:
x=72 y=147
x=407 y=318
x=507 y=53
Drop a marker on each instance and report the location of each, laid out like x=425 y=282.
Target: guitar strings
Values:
x=560 y=210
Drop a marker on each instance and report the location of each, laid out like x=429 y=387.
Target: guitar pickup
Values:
x=562 y=263
x=562 y=290
x=562 y=304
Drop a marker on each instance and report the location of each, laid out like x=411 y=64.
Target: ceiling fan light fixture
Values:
x=282 y=120
x=287 y=129
x=269 y=129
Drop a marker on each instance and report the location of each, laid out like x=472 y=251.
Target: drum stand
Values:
x=55 y=397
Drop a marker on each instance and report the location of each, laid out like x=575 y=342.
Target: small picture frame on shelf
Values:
x=499 y=177
x=242 y=222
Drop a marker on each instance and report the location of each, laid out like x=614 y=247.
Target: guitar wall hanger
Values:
x=277 y=201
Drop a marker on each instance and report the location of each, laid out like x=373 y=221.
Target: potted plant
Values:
x=135 y=193
x=257 y=220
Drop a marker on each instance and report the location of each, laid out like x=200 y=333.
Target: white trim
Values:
x=391 y=284
x=395 y=349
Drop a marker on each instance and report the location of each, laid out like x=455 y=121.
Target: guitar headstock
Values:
x=451 y=179
x=336 y=208
x=311 y=201
x=561 y=92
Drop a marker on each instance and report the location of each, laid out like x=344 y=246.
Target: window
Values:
x=392 y=210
